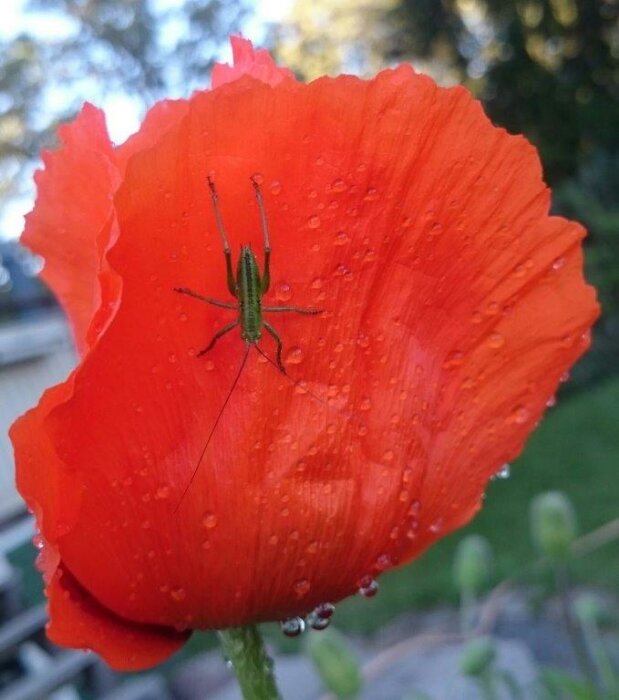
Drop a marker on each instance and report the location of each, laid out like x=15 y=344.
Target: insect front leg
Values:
x=226 y=329
x=295 y=309
x=266 y=275
x=278 y=340
x=208 y=300
x=224 y=238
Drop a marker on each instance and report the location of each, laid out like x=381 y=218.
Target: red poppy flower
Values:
x=451 y=304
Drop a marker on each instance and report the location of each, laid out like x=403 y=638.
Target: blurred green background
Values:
x=545 y=68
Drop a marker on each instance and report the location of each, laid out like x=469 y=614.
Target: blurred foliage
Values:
x=69 y=49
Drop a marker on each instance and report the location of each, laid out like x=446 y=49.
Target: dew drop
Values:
x=437 y=526
x=414 y=508
x=273 y=540
x=209 y=520
x=341 y=238
x=209 y=365
x=283 y=292
x=453 y=360
x=314 y=221
x=558 y=263
x=312 y=547
x=258 y=178
x=276 y=187
x=496 y=340
x=371 y=195
x=294 y=356
x=293 y=626
x=552 y=401
x=172 y=358
x=178 y=594
x=365 y=404
x=301 y=588
x=37 y=541
x=520 y=415
x=383 y=562
x=318 y=623
x=503 y=473
x=368 y=587
x=324 y=611
x=339 y=186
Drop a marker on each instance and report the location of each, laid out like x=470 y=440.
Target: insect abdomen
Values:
x=250 y=296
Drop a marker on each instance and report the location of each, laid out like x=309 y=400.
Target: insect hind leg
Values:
x=266 y=275
x=278 y=340
x=226 y=329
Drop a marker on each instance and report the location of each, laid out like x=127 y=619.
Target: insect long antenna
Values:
x=215 y=424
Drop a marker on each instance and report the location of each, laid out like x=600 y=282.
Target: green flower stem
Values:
x=253 y=667
x=487 y=686
x=562 y=583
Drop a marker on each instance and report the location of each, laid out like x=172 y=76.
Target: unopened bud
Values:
x=472 y=564
x=477 y=657
x=553 y=524
x=591 y=611
x=335 y=663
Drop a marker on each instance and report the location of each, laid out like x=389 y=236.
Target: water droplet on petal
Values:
x=276 y=187
x=552 y=401
x=338 y=186
x=209 y=520
x=368 y=587
x=283 y=292
x=258 y=178
x=503 y=473
x=520 y=415
x=178 y=594
x=293 y=626
x=314 y=221
x=383 y=562
x=294 y=356
x=558 y=263
x=341 y=238
x=496 y=340
x=301 y=588
x=324 y=611
x=453 y=360
x=437 y=526
x=318 y=623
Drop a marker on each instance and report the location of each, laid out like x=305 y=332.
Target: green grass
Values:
x=575 y=450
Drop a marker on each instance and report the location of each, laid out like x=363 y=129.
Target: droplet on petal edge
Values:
x=368 y=587
x=292 y=626
x=503 y=473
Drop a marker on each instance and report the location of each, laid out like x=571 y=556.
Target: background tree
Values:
x=71 y=50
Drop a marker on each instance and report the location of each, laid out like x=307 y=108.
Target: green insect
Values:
x=248 y=288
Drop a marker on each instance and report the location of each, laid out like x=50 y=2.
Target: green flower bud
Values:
x=472 y=564
x=335 y=663
x=591 y=611
x=477 y=657
x=553 y=524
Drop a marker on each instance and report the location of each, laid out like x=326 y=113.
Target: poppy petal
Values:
x=159 y=118
x=71 y=213
x=77 y=620
x=256 y=63
x=422 y=234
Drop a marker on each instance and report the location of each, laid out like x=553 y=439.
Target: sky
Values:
x=122 y=113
